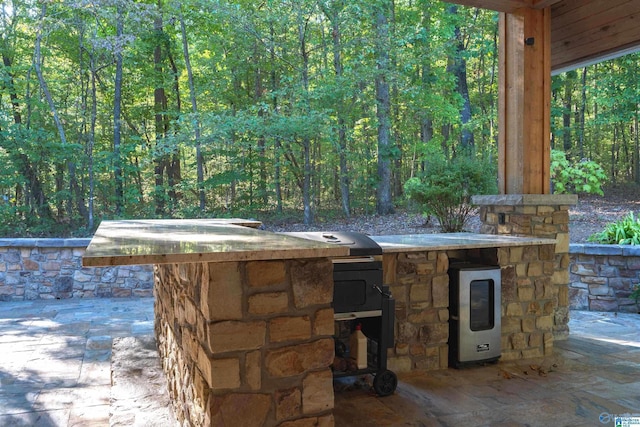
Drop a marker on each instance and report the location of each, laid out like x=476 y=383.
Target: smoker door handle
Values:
x=352 y=260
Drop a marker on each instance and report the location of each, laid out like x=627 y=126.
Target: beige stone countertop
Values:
x=195 y=240
x=453 y=241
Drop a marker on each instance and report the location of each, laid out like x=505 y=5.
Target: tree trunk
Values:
x=71 y=167
x=91 y=143
x=117 y=120
x=636 y=137
x=583 y=108
x=636 y=148
x=596 y=111
x=34 y=196
x=384 y=200
x=174 y=171
x=194 y=110
x=566 y=114
x=261 y=143
x=426 y=120
x=332 y=14
x=306 y=141
x=625 y=150
x=397 y=187
x=277 y=145
x=458 y=66
x=613 y=154
x=160 y=108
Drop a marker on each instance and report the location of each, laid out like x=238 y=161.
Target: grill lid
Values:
x=359 y=244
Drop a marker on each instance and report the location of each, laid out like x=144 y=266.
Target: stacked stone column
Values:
x=420 y=285
x=535 y=215
x=247 y=343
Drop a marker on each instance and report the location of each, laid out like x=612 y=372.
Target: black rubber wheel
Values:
x=385 y=383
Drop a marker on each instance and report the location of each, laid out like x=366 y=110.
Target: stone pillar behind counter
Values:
x=539 y=215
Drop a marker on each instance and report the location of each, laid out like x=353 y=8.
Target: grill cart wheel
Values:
x=385 y=383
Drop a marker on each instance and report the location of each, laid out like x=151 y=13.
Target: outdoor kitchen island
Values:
x=244 y=322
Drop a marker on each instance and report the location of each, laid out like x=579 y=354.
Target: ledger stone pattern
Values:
x=247 y=343
x=603 y=277
x=540 y=220
x=420 y=285
x=33 y=269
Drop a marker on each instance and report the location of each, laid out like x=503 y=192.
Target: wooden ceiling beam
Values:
x=541 y=4
x=508 y=6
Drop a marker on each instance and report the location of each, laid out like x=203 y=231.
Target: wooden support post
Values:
x=524 y=113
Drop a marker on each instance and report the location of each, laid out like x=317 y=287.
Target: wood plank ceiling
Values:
x=583 y=32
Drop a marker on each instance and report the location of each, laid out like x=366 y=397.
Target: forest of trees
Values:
x=202 y=108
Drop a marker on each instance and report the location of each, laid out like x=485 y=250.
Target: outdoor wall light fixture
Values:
x=529 y=41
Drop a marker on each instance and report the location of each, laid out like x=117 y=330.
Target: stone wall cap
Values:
x=630 y=250
x=45 y=243
x=525 y=199
x=599 y=249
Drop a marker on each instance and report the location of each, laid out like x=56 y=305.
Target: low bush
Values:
x=623 y=232
x=583 y=177
x=445 y=189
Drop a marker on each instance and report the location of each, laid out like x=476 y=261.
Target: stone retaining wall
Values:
x=52 y=268
x=603 y=277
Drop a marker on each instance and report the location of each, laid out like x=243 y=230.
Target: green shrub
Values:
x=583 y=177
x=11 y=221
x=445 y=190
x=623 y=232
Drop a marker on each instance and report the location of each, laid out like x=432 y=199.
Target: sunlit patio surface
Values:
x=78 y=362
x=92 y=363
x=592 y=377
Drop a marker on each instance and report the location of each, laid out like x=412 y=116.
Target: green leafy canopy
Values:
x=582 y=177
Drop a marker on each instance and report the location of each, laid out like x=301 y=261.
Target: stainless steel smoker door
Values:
x=479 y=314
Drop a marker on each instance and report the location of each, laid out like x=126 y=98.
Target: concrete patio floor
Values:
x=65 y=363
x=591 y=377
x=92 y=363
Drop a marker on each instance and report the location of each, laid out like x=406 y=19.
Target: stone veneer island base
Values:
x=416 y=268
x=247 y=343
x=244 y=322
